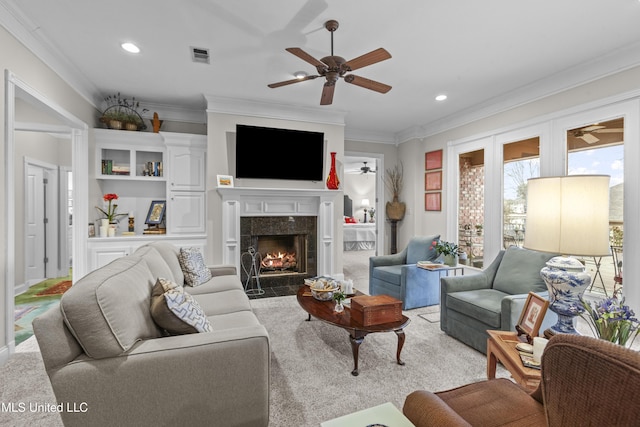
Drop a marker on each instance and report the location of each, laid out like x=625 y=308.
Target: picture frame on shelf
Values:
x=433 y=201
x=225 y=181
x=433 y=181
x=156 y=212
x=532 y=315
x=433 y=160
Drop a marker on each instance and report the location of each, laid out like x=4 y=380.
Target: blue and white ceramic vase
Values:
x=566 y=281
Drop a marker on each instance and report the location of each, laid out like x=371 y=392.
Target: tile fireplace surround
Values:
x=240 y=202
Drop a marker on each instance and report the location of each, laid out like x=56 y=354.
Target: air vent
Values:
x=200 y=55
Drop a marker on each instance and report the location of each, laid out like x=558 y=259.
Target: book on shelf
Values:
x=155 y=231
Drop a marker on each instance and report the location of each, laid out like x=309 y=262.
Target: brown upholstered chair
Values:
x=585 y=382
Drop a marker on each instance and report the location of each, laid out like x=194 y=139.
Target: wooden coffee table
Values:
x=323 y=310
x=501 y=347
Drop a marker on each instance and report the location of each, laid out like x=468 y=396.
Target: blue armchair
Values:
x=493 y=299
x=397 y=275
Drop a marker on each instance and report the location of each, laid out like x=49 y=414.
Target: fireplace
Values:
x=240 y=203
x=285 y=246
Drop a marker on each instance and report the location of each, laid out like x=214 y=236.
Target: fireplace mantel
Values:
x=248 y=201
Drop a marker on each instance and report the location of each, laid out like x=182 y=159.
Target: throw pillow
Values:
x=176 y=311
x=193 y=266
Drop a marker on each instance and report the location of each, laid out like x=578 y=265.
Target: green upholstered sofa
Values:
x=493 y=299
x=104 y=353
x=397 y=275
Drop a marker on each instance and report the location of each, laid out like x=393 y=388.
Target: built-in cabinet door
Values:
x=186 y=212
x=104 y=255
x=187 y=169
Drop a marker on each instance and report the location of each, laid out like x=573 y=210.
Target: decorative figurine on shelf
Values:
x=131 y=222
x=156 y=122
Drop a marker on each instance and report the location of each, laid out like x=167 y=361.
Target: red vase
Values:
x=332 y=180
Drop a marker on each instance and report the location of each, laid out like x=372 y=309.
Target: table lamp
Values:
x=365 y=205
x=567 y=215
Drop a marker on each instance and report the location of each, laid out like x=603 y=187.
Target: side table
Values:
x=501 y=347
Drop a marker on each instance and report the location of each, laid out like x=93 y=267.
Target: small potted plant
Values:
x=123 y=113
x=479 y=229
x=338 y=297
x=448 y=249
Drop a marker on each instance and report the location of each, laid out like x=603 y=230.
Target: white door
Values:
x=35 y=224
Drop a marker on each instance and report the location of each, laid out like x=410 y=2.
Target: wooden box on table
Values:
x=375 y=309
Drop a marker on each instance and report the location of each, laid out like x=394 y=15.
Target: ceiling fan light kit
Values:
x=334 y=67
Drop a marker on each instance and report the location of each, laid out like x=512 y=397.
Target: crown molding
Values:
x=257 y=108
x=369 y=136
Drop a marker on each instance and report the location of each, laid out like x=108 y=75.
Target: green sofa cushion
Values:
x=481 y=304
x=519 y=271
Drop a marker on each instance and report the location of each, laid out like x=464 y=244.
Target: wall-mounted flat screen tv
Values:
x=270 y=153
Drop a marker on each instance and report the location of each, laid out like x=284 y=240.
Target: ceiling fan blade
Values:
x=588 y=138
x=306 y=57
x=615 y=130
x=592 y=128
x=367 y=83
x=292 y=81
x=367 y=59
x=327 y=94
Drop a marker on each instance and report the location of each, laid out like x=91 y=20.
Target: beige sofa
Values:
x=110 y=364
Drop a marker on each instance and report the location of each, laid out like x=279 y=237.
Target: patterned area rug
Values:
x=36 y=300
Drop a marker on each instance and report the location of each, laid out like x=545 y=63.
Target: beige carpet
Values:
x=310 y=368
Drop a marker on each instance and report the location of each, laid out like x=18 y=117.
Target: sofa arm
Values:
x=179 y=380
x=383 y=260
x=424 y=409
x=471 y=282
x=512 y=306
x=223 y=270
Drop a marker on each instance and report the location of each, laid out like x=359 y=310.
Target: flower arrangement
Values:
x=110 y=213
x=445 y=248
x=611 y=320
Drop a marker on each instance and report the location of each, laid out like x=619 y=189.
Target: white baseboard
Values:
x=7 y=351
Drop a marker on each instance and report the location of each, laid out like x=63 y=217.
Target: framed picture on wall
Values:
x=433 y=160
x=432 y=201
x=433 y=181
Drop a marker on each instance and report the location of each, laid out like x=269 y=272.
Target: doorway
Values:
x=26 y=110
x=45 y=222
x=363 y=229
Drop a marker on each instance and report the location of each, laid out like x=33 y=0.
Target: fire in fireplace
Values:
x=281 y=253
x=279 y=261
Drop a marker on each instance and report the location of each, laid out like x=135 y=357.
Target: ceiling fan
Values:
x=586 y=133
x=333 y=67
x=366 y=169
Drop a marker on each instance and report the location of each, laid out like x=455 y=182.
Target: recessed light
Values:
x=130 y=47
x=441 y=97
x=300 y=75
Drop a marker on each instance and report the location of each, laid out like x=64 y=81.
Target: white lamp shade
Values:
x=568 y=215
x=365 y=202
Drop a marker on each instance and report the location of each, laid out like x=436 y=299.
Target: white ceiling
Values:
x=485 y=55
